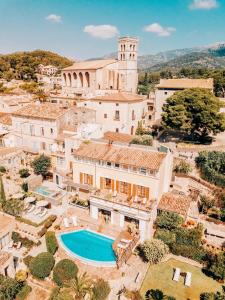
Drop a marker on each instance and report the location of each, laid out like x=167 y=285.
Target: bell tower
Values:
x=127 y=59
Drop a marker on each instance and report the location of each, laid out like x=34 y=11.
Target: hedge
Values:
x=196 y=253
x=51 y=242
x=167 y=236
x=64 y=270
x=25 y=291
x=41 y=265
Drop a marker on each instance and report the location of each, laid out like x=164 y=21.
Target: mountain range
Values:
x=212 y=56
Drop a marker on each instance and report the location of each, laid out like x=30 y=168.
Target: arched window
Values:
x=74 y=79
x=70 y=79
x=133 y=56
x=121 y=47
x=133 y=47
x=87 y=77
x=133 y=115
x=130 y=56
x=81 y=79
x=124 y=47
x=121 y=56
x=64 y=78
x=130 y=47
x=124 y=56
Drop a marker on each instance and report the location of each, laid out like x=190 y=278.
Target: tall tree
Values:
x=41 y=165
x=193 y=111
x=2 y=193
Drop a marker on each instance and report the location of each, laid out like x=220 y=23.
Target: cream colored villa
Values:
x=167 y=87
x=118 y=112
x=98 y=77
x=129 y=181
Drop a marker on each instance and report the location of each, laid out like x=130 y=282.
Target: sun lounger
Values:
x=176 y=275
x=11 y=245
x=144 y=201
x=125 y=241
x=74 y=219
x=19 y=245
x=31 y=208
x=136 y=199
x=187 y=281
x=37 y=212
x=66 y=222
x=121 y=246
x=43 y=213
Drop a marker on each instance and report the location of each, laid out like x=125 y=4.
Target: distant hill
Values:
x=212 y=56
x=23 y=65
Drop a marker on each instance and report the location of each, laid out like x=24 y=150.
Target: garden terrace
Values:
x=160 y=277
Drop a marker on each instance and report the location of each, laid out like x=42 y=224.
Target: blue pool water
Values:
x=43 y=191
x=89 y=246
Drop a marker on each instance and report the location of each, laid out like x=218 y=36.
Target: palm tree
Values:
x=81 y=285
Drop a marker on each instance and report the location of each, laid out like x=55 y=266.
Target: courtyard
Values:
x=161 y=277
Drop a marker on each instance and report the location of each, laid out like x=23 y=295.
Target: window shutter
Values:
x=81 y=178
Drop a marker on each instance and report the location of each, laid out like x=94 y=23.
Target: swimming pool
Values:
x=90 y=247
x=43 y=190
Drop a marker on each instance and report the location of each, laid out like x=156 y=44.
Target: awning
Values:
x=42 y=203
x=29 y=200
x=18 y=196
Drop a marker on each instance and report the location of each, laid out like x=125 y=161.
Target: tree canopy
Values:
x=193 y=111
x=41 y=165
x=23 y=65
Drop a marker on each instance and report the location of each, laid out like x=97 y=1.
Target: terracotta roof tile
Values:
x=118 y=137
x=174 y=202
x=119 y=97
x=90 y=65
x=185 y=83
x=121 y=155
x=49 y=111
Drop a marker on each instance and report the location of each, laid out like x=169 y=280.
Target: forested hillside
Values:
x=23 y=65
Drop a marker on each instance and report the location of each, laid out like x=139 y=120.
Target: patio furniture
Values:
x=37 y=212
x=125 y=241
x=29 y=200
x=135 y=199
x=66 y=222
x=19 y=245
x=176 y=275
x=144 y=201
x=74 y=219
x=187 y=281
x=17 y=196
x=42 y=203
x=31 y=208
x=114 y=193
x=43 y=213
x=122 y=246
x=11 y=245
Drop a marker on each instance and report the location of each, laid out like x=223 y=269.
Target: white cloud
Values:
x=159 y=29
x=101 y=31
x=204 y=4
x=54 y=18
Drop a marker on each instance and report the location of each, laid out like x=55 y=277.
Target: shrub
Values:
x=24 y=173
x=167 y=236
x=154 y=250
x=21 y=276
x=217 y=266
x=51 y=242
x=24 y=187
x=2 y=169
x=169 y=220
x=183 y=167
x=41 y=165
x=41 y=265
x=25 y=291
x=64 y=270
x=101 y=290
x=27 y=260
x=189 y=237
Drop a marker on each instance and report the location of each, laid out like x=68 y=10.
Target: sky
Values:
x=82 y=29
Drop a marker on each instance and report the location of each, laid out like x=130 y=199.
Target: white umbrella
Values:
x=42 y=203
x=29 y=200
x=18 y=196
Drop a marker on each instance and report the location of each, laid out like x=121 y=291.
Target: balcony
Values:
x=125 y=200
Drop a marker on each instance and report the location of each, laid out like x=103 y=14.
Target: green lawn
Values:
x=160 y=277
